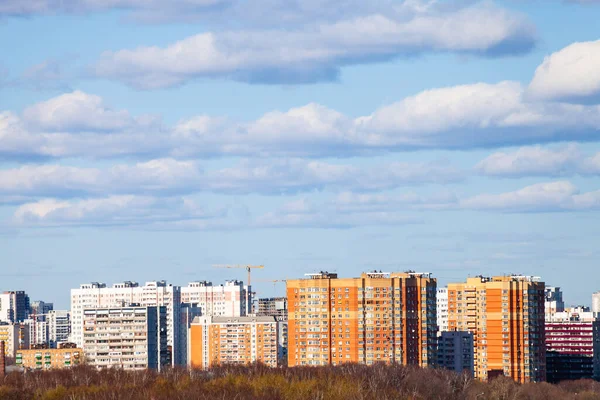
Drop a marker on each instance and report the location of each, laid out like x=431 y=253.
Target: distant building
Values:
x=442 y=310
x=40 y=308
x=154 y=293
x=49 y=358
x=274 y=307
x=554 y=300
x=228 y=300
x=14 y=306
x=506 y=316
x=37 y=331
x=131 y=337
x=59 y=327
x=572 y=345
x=233 y=340
x=596 y=303
x=9 y=334
x=187 y=314
x=455 y=352
x=377 y=317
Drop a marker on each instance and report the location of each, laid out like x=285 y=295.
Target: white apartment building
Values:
x=133 y=338
x=155 y=293
x=59 y=327
x=442 y=310
x=37 y=330
x=228 y=300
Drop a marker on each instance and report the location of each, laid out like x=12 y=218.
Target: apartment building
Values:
x=442 y=310
x=9 y=334
x=59 y=327
x=572 y=345
x=14 y=306
x=40 y=308
x=37 y=331
x=131 y=337
x=378 y=317
x=455 y=352
x=553 y=300
x=506 y=316
x=233 y=340
x=154 y=293
x=225 y=300
x=49 y=358
x=273 y=306
x=596 y=303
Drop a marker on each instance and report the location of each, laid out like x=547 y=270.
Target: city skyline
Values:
x=144 y=142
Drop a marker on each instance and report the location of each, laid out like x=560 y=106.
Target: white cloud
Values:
x=571 y=74
x=541 y=197
x=316 y=53
x=540 y=161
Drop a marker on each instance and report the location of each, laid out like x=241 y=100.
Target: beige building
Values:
x=378 y=317
x=49 y=358
x=233 y=340
x=506 y=316
x=9 y=334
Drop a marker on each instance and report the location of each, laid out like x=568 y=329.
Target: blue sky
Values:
x=142 y=141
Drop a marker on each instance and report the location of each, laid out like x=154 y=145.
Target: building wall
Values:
x=9 y=334
x=233 y=340
x=377 y=317
x=455 y=352
x=506 y=316
x=228 y=300
x=596 y=302
x=442 y=310
x=14 y=306
x=554 y=300
x=49 y=358
x=59 y=327
x=572 y=345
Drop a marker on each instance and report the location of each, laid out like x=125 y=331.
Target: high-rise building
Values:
x=59 y=327
x=455 y=351
x=155 y=293
x=37 y=331
x=379 y=317
x=506 y=316
x=14 y=306
x=572 y=345
x=442 y=310
x=596 y=303
x=233 y=340
x=187 y=314
x=127 y=337
x=40 y=308
x=228 y=300
x=554 y=300
x=274 y=307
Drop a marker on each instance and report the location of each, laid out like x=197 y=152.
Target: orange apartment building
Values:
x=49 y=358
x=233 y=340
x=506 y=316
x=379 y=317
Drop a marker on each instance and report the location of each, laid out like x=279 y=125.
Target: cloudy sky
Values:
x=145 y=139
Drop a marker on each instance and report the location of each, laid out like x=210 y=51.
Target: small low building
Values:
x=49 y=358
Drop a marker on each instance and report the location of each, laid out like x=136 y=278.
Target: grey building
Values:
x=455 y=351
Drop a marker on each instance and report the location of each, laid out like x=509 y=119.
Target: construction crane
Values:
x=248 y=268
x=274 y=281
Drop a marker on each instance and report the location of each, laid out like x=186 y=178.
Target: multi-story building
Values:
x=596 y=303
x=9 y=334
x=130 y=337
x=59 y=327
x=49 y=358
x=187 y=314
x=506 y=316
x=14 y=306
x=273 y=306
x=228 y=300
x=233 y=340
x=572 y=345
x=37 y=331
x=378 y=317
x=442 y=310
x=455 y=351
x=554 y=300
x=40 y=308
x=155 y=293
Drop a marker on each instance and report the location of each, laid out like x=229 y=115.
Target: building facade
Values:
x=506 y=316
x=596 y=303
x=14 y=306
x=40 y=308
x=152 y=294
x=455 y=352
x=9 y=334
x=442 y=310
x=131 y=337
x=379 y=317
x=233 y=340
x=274 y=307
x=572 y=345
x=554 y=300
x=49 y=358
x=59 y=327
x=228 y=300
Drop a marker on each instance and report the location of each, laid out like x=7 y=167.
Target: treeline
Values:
x=346 y=382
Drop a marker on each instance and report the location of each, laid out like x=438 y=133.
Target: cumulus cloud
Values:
x=169 y=176
x=460 y=117
x=316 y=53
x=539 y=161
x=571 y=74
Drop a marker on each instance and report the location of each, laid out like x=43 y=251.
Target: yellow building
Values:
x=233 y=340
x=49 y=358
x=506 y=316
x=9 y=334
x=379 y=317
